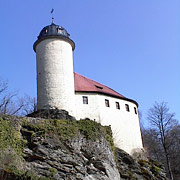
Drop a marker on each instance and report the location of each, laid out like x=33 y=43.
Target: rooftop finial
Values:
x=52 y=15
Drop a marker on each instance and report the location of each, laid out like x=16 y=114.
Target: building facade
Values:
x=59 y=87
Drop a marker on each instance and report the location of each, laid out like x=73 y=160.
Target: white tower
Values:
x=55 y=75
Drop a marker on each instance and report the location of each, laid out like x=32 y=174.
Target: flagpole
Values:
x=52 y=15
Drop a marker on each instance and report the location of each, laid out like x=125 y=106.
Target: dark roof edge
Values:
x=111 y=95
x=57 y=37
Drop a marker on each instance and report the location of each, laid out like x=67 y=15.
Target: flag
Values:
x=52 y=10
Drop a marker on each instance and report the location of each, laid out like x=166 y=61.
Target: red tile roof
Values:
x=83 y=84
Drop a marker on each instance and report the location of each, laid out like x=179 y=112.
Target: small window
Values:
x=127 y=107
x=135 y=110
x=85 y=100
x=107 y=103
x=117 y=105
x=99 y=87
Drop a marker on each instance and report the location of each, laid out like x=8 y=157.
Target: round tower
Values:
x=55 y=75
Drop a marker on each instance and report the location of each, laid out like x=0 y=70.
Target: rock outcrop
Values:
x=138 y=169
x=76 y=158
x=51 y=114
x=42 y=149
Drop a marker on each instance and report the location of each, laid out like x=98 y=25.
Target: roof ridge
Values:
x=84 y=84
x=99 y=83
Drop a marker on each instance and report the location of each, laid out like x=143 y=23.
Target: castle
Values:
x=59 y=87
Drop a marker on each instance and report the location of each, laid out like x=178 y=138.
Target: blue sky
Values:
x=132 y=46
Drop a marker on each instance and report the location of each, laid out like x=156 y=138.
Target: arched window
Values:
x=117 y=105
x=127 y=107
x=135 y=110
x=107 y=103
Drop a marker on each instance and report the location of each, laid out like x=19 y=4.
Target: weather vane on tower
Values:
x=52 y=15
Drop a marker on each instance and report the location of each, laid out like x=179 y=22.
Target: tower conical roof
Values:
x=54 y=31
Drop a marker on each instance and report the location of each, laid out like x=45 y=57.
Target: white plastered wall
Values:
x=90 y=110
x=124 y=124
x=55 y=78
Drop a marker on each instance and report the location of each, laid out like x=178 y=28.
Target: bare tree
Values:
x=3 y=86
x=152 y=144
x=155 y=150
x=162 y=122
x=7 y=105
x=174 y=150
x=30 y=105
x=11 y=104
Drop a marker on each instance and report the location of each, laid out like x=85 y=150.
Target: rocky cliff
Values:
x=42 y=149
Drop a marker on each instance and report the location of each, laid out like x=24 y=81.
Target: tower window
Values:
x=135 y=110
x=117 y=105
x=127 y=107
x=107 y=103
x=85 y=100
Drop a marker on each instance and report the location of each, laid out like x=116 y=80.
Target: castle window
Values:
x=85 y=100
x=127 y=107
x=107 y=103
x=117 y=105
x=135 y=110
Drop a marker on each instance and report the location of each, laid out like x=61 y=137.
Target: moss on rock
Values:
x=10 y=137
x=66 y=129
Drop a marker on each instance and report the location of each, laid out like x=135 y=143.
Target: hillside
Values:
x=43 y=149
